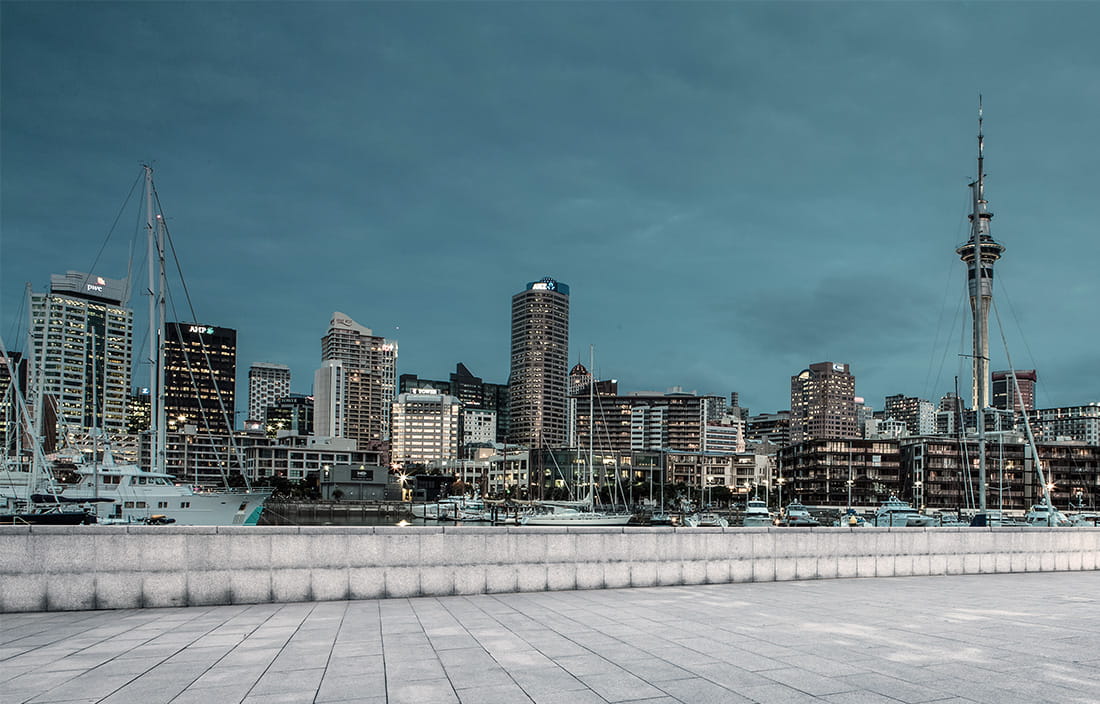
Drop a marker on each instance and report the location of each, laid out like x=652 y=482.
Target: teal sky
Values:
x=732 y=190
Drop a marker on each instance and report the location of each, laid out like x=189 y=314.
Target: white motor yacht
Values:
x=896 y=513
x=756 y=514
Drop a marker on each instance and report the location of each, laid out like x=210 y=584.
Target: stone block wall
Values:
x=54 y=568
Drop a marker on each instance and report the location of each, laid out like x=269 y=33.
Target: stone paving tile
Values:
x=619 y=686
x=499 y=694
x=700 y=691
x=868 y=640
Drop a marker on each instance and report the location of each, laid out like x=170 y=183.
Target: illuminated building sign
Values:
x=201 y=330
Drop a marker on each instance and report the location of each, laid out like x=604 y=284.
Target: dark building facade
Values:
x=537 y=383
x=1004 y=392
x=817 y=471
x=292 y=414
x=200 y=376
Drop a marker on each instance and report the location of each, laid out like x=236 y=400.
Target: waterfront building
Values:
x=81 y=340
x=425 y=428
x=539 y=358
x=918 y=415
x=358 y=482
x=1004 y=392
x=369 y=380
x=200 y=376
x=817 y=471
x=297 y=457
x=743 y=473
x=267 y=383
x=823 y=403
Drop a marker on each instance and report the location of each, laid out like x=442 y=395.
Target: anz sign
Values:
x=201 y=330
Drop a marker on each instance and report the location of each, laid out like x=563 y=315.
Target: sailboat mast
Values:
x=162 y=426
x=591 y=427
x=154 y=392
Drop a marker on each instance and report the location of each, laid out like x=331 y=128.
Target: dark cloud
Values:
x=733 y=190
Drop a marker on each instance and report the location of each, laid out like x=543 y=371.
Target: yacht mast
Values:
x=155 y=266
x=591 y=427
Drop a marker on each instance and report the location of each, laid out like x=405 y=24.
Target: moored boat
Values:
x=896 y=513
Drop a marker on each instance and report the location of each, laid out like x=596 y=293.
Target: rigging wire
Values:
x=111 y=231
x=949 y=285
x=229 y=422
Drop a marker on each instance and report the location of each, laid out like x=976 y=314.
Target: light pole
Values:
x=918 y=494
x=781 y=481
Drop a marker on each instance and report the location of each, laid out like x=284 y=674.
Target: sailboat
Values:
x=124 y=492
x=586 y=514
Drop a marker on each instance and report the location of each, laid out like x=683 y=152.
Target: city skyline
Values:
x=722 y=224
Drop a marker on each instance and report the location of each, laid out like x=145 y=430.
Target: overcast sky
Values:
x=731 y=190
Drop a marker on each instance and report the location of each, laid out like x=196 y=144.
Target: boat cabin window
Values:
x=111 y=479
x=185 y=504
x=142 y=504
x=140 y=480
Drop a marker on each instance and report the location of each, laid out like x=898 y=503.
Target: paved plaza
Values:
x=984 y=638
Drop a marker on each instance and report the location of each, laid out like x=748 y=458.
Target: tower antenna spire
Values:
x=981 y=152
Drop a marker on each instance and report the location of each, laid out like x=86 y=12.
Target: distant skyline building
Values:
x=472 y=390
x=980 y=253
x=918 y=414
x=81 y=338
x=328 y=399
x=13 y=368
x=370 y=379
x=539 y=365
x=823 y=403
x=200 y=376
x=1004 y=392
x=267 y=383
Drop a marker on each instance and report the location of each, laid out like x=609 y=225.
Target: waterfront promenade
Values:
x=992 y=638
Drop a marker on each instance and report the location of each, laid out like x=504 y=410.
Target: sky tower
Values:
x=980 y=275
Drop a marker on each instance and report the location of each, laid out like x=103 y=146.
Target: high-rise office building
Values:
x=328 y=399
x=200 y=376
x=426 y=428
x=82 y=344
x=823 y=403
x=267 y=383
x=1004 y=392
x=537 y=383
x=370 y=379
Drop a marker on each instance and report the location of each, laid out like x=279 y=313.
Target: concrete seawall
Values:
x=45 y=568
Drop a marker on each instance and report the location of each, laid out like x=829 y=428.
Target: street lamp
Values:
x=918 y=495
x=780 y=481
